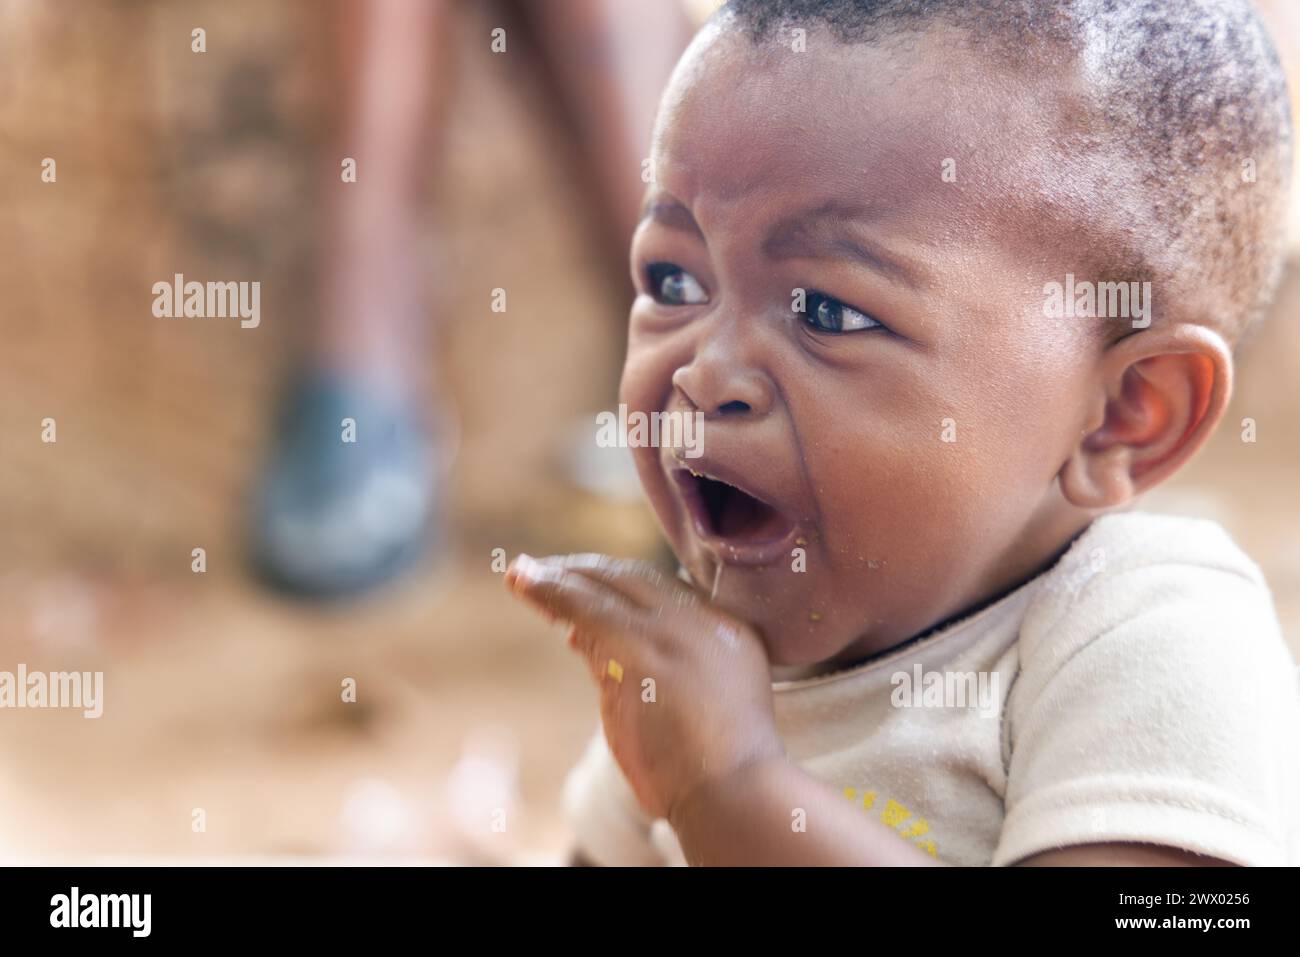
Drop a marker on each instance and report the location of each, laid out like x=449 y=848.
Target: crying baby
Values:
x=909 y=466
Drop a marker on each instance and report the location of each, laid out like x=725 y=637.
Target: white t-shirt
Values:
x=1140 y=690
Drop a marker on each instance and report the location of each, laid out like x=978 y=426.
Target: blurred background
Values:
x=222 y=694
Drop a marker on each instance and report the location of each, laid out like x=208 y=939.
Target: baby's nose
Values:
x=719 y=385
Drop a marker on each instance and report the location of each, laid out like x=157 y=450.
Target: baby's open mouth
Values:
x=733 y=523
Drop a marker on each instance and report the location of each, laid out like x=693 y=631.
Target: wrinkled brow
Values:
x=835 y=230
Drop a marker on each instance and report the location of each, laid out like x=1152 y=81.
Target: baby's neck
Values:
x=841 y=663
x=800 y=672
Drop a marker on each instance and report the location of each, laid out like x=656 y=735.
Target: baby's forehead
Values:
x=919 y=130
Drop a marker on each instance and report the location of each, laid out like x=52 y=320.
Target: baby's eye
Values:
x=830 y=315
x=674 y=286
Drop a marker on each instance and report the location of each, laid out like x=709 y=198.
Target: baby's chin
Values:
x=797 y=630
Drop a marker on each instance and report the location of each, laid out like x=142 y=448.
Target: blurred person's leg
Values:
x=339 y=508
x=392 y=104
x=609 y=61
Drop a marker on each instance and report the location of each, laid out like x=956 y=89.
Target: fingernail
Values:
x=534 y=572
x=522 y=573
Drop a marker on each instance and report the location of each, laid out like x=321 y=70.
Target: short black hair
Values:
x=1194 y=87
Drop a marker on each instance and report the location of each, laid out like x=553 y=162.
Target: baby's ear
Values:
x=1160 y=393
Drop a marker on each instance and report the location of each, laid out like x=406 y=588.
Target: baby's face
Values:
x=885 y=459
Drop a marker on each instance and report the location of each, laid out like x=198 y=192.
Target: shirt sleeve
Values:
x=1158 y=705
x=608 y=825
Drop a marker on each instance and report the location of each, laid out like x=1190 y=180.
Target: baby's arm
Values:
x=746 y=821
x=719 y=825
x=752 y=818
x=1121 y=855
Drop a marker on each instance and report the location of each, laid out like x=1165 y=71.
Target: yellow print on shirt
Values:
x=899 y=818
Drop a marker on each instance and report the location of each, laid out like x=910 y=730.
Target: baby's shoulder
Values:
x=1135 y=576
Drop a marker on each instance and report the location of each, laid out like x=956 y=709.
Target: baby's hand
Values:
x=685 y=689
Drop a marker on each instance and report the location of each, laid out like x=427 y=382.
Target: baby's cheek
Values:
x=647 y=375
x=901 y=533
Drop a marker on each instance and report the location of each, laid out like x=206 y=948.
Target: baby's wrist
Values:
x=708 y=794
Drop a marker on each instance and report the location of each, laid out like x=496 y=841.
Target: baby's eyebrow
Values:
x=819 y=231
x=827 y=230
x=672 y=214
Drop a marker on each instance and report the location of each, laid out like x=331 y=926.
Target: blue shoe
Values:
x=342 y=508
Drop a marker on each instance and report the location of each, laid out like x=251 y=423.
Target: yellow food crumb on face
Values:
x=615 y=670
x=814 y=616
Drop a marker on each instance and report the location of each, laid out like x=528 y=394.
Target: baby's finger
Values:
x=639 y=581
x=570 y=597
x=605 y=653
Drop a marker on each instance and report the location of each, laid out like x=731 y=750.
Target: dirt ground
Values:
x=220 y=697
